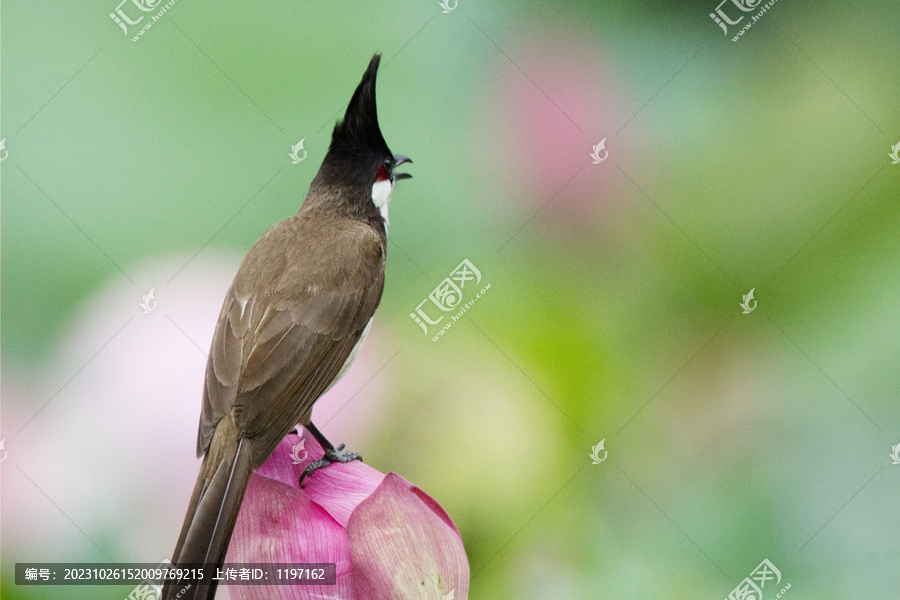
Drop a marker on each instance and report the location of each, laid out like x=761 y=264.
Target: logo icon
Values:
x=895 y=455
x=748 y=298
x=895 y=154
x=4 y=152
x=447 y=8
x=596 y=153
x=595 y=452
x=3 y=451
x=148 y=302
x=450 y=596
x=299 y=452
x=295 y=158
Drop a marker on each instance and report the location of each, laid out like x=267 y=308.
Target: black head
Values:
x=358 y=154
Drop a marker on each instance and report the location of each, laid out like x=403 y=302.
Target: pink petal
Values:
x=338 y=488
x=278 y=523
x=403 y=545
x=280 y=464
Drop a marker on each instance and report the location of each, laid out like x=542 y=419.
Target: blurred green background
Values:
x=614 y=309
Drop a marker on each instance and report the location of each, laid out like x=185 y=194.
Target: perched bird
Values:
x=291 y=324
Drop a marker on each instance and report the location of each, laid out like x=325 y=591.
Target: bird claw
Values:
x=331 y=456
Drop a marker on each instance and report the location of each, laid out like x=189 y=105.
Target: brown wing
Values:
x=296 y=309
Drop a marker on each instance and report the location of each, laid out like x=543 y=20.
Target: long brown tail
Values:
x=211 y=516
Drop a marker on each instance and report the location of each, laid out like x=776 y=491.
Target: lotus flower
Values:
x=388 y=538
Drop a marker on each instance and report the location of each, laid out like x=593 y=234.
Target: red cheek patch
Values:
x=381 y=174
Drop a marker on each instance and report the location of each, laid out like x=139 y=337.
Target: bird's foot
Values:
x=331 y=456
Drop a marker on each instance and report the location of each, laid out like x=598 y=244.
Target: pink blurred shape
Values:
x=554 y=98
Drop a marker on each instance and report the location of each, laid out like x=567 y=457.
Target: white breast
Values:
x=381 y=195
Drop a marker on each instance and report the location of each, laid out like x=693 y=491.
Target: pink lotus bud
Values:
x=387 y=538
x=404 y=545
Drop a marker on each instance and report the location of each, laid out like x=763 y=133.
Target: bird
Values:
x=292 y=323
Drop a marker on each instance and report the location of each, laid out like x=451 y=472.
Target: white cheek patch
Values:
x=381 y=194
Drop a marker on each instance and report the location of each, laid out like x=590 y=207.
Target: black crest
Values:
x=358 y=134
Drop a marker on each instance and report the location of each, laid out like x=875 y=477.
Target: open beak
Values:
x=399 y=159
